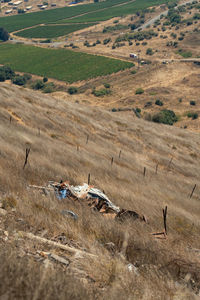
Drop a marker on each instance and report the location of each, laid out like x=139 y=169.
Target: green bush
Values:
x=4 y=35
x=27 y=76
x=139 y=91
x=192 y=115
x=149 y=51
x=38 y=85
x=165 y=117
x=138 y=110
x=19 y=80
x=101 y=92
x=107 y=85
x=192 y=102
x=158 y=102
x=9 y=73
x=72 y=90
x=2 y=76
x=48 y=88
x=133 y=71
x=45 y=79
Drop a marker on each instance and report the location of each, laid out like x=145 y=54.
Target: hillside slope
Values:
x=57 y=132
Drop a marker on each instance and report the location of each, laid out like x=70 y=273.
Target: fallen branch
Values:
x=72 y=250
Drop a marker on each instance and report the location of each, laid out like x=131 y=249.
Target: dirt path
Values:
x=152 y=20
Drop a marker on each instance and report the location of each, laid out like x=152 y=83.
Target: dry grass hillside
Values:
x=53 y=128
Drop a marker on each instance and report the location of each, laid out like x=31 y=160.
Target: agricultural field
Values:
x=51 y=31
x=14 y=23
x=60 y=64
x=117 y=11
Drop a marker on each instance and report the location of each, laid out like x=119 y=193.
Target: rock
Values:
x=69 y=213
x=3 y=212
x=60 y=259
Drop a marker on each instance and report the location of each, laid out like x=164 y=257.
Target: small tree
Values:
x=4 y=35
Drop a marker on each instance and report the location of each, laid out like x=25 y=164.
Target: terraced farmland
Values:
x=51 y=31
x=17 y=22
x=60 y=64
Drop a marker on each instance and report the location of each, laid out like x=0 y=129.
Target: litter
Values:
x=95 y=198
x=70 y=214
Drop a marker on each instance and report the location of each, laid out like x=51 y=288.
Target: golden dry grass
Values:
x=54 y=156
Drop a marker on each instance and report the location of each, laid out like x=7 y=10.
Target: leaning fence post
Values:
x=144 y=173
x=120 y=152
x=77 y=148
x=87 y=139
x=156 y=168
x=112 y=160
x=26 y=157
x=10 y=119
x=89 y=179
x=193 y=191
x=169 y=164
x=165 y=219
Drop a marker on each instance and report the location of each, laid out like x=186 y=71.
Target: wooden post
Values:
x=87 y=139
x=77 y=148
x=144 y=173
x=26 y=157
x=193 y=191
x=10 y=119
x=120 y=152
x=169 y=164
x=165 y=219
x=157 y=169
x=112 y=160
x=89 y=179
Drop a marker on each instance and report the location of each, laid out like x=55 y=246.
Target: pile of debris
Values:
x=94 y=198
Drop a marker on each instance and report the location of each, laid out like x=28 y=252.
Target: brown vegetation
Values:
x=160 y=269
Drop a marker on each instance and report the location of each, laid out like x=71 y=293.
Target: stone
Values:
x=3 y=212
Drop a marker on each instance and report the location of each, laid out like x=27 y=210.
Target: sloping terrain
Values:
x=68 y=141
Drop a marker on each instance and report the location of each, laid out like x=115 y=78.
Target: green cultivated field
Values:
x=17 y=22
x=60 y=64
x=116 y=11
x=51 y=31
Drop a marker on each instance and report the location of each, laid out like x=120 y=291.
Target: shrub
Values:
x=45 y=79
x=138 y=110
x=133 y=72
x=139 y=91
x=38 y=85
x=101 y=92
x=192 y=102
x=19 y=80
x=149 y=51
x=9 y=73
x=107 y=85
x=48 y=88
x=27 y=76
x=2 y=76
x=165 y=117
x=4 y=35
x=158 y=102
x=106 y=41
x=72 y=90
x=192 y=115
